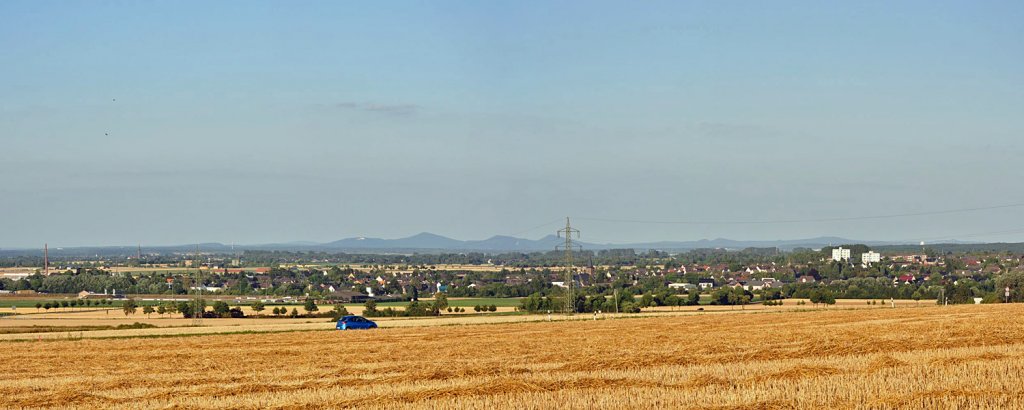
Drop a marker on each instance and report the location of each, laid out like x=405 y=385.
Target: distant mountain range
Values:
x=427 y=240
x=431 y=243
x=507 y=243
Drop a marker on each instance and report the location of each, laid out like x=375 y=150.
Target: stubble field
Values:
x=921 y=358
x=88 y=322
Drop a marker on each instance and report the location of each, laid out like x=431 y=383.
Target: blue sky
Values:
x=255 y=122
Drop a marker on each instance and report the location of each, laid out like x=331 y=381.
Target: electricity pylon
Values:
x=197 y=307
x=567 y=233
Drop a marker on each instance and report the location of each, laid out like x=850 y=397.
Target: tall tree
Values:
x=257 y=307
x=441 y=300
x=129 y=306
x=310 y=306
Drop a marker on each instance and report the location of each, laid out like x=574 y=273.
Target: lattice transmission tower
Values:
x=569 y=247
x=197 y=303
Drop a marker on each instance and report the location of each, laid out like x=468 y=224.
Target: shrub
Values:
x=135 y=325
x=370 y=308
x=221 y=308
x=339 y=311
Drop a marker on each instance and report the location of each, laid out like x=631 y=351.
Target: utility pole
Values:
x=567 y=233
x=46 y=259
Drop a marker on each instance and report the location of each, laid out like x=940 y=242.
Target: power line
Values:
x=536 y=227
x=970 y=235
x=786 y=221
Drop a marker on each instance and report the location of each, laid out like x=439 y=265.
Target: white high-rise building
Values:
x=839 y=254
x=870 y=257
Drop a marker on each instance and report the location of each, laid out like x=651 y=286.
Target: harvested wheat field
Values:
x=923 y=358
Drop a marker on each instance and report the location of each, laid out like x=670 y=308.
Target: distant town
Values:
x=647 y=278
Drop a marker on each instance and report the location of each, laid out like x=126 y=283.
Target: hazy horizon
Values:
x=264 y=122
x=298 y=242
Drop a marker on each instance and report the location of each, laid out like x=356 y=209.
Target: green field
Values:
x=31 y=303
x=28 y=305
x=468 y=302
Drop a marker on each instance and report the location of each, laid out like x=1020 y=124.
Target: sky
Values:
x=252 y=122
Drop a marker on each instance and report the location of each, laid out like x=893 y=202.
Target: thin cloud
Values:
x=390 y=109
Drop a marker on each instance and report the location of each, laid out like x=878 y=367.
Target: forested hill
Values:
x=1016 y=248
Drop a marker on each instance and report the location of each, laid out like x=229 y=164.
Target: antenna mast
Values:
x=46 y=259
x=567 y=233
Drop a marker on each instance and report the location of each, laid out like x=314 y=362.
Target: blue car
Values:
x=355 y=322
